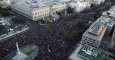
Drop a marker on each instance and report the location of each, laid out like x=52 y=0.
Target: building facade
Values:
x=113 y=41
x=35 y=10
x=95 y=33
x=8 y=3
x=5 y=3
x=80 y=5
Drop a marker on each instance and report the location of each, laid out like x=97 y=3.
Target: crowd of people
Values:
x=50 y=39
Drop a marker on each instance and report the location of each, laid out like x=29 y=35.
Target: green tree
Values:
x=41 y=21
x=48 y=19
x=4 y=12
x=61 y=13
x=18 y=20
x=70 y=10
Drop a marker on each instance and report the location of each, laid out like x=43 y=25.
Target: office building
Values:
x=95 y=33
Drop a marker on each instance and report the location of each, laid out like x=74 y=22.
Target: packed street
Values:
x=52 y=39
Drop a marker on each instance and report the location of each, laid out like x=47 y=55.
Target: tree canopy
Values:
x=18 y=20
x=4 y=12
x=70 y=10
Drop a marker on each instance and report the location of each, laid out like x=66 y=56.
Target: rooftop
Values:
x=111 y=12
x=29 y=50
x=97 y=29
x=37 y=4
x=92 y=1
x=83 y=53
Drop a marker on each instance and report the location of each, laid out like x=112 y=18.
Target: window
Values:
x=35 y=13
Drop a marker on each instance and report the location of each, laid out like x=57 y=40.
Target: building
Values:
x=113 y=41
x=20 y=55
x=111 y=12
x=98 y=37
x=63 y=0
x=95 y=33
x=80 y=5
x=1 y=21
x=5 y=21
x=8 y=3
x=5 y=3
x=35 y=10
x=97 y=2
x=95 y=40
x=28 y=52
x=98 y=41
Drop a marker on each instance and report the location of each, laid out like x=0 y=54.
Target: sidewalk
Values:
x=12 y=33
x=74 y=55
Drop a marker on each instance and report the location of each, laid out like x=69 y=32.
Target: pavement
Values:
x=55 y=16
x=12 y=33
x=74 y=55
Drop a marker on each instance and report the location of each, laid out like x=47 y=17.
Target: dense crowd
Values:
x=51 y=39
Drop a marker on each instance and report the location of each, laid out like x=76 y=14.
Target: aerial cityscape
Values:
x=57 y=29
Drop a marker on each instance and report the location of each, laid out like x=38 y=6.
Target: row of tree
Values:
x=46 y=20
